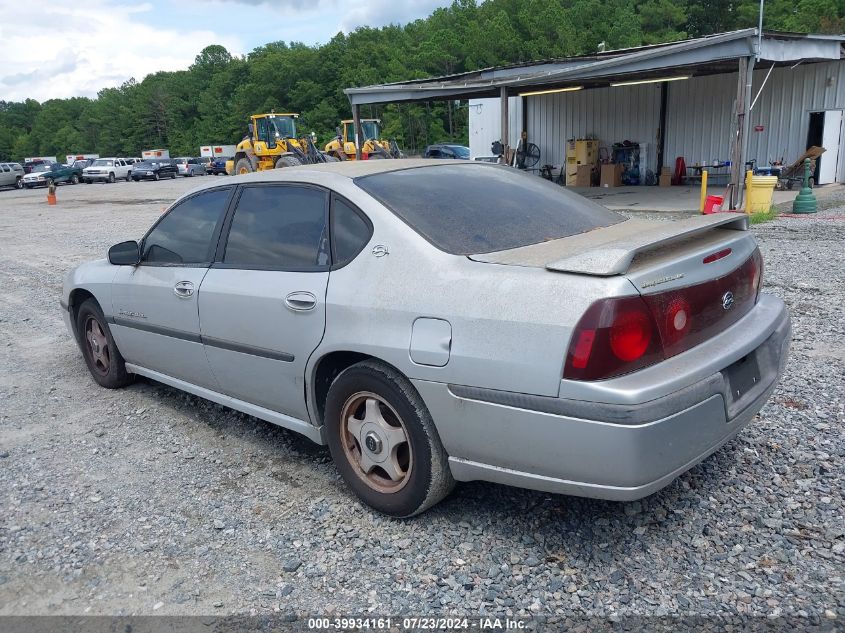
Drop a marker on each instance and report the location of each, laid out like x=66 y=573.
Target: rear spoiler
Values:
x=611 y=250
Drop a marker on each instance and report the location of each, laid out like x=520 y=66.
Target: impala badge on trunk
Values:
x=728 y=300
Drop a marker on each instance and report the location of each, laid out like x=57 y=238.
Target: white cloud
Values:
x=350 y=14
x=382 y=12
x=59 y=50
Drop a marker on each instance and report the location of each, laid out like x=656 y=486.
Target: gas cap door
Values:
x=431 y=342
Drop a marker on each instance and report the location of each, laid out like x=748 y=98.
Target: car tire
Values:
x=129 y=176
x=102 y=357
x=19 y=183
x=173 y=175
x=156 y=176
x=112 y=178
x=373 y=400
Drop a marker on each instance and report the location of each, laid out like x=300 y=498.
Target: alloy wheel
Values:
x=376 y=442
x=98 y=345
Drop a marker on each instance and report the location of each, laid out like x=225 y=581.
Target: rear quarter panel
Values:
x=510 y=325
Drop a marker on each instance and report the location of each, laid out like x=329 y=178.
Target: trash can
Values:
x=760 y=192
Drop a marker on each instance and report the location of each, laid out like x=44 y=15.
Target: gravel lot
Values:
x=147 y=500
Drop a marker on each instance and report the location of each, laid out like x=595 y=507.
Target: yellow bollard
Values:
x=703 y=190
x=748 y=176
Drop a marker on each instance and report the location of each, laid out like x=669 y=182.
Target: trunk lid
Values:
x=611 y=250
x=695 y=276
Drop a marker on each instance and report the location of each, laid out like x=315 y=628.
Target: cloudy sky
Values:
x=76 y=47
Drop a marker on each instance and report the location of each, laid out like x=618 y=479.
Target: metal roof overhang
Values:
x=704 y=56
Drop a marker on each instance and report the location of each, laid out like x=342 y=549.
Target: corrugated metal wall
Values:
x=485 y=123
x=609 y=114
x=700 y=116
x=701 y=113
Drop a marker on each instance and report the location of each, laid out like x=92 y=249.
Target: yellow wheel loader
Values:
x=343 y=146
x=272 y=143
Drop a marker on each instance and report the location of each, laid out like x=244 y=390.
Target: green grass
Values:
x=764 y=216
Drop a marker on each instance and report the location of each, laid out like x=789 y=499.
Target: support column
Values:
x=503 y=95
x=740 y=149
x=661 y=141
x=746 y=124
x=359 y=133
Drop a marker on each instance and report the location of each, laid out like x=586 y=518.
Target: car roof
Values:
x=348 y=168
x=345 y=169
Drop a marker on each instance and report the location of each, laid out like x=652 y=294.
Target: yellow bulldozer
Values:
x=273 y=143
x=343 y=146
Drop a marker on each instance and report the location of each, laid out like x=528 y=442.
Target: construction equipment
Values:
x=272 y=143
x=342 y=146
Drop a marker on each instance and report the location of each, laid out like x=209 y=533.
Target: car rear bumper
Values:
x=617 y=447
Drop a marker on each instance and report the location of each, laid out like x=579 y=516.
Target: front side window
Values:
x=279 y=228
x=184 y=235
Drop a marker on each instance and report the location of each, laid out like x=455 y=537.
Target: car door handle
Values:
x=183 y=289
x=301 y=301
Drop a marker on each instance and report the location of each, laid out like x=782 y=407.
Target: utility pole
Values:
x=760 y=30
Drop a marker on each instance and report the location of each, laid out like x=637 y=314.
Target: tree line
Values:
x=211 y=101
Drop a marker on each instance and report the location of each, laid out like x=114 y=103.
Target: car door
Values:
x=155 y=313
x=7 y=176
x=262 y=305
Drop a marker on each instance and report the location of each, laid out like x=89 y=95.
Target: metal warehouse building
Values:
x=685 y=99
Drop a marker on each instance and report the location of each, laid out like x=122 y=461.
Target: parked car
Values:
x=82 y=163
x=396 y=311
x=11 y=175
x=154 y=170
x=218 y=166
x=29 y=165
x=108 y=170
x=189 y=166
x=446 y=150
x=47 y=173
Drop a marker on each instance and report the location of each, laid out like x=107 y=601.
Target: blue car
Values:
x=217 y=166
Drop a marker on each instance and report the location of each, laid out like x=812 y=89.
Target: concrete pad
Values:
x=673 y=199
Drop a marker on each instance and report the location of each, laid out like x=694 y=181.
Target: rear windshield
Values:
x=476 y=208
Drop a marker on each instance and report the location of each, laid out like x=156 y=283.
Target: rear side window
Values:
x=184 y=235
x=279 y=228
x=472 y=208
x=350 y=232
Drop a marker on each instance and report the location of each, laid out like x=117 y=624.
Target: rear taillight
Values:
x=620 y=335
x=615 y=336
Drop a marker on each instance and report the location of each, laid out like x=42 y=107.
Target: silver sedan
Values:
x=434 y=321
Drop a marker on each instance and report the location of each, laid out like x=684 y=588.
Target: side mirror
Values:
x=338 y=132
x=125 y=254
x=251 y=128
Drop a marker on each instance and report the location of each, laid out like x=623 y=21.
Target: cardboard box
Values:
x=665 y=180
x=611 y=175
x=584 y=177
x=584 y=151
x=666 y=171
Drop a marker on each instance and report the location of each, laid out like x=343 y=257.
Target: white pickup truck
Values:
x=108 y=170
